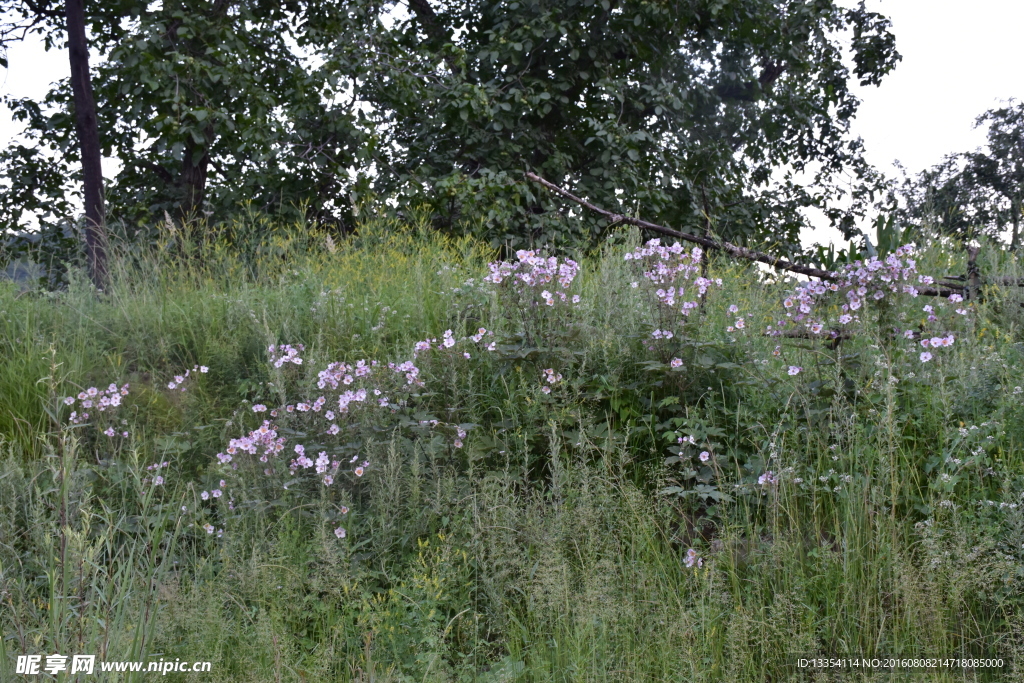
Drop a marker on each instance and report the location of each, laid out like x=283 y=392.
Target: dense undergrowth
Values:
x=535 y=489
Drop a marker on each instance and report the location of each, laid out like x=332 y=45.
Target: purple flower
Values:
x=340 y=532
x=795 y=369
x=925 y=356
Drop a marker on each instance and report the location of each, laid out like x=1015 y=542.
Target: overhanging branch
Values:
x=727 y=247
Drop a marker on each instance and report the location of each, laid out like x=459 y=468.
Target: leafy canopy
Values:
x=699 y=114
x=695 y=113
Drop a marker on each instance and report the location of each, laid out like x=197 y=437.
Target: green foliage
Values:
x=976 y=193
x=700 y=115
x=205 y=107
x=681 y=111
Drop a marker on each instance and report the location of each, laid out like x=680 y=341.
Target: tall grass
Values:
x=546 y=549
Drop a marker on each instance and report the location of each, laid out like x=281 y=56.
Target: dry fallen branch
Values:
x=727 y=247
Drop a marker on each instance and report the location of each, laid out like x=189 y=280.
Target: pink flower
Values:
x=340 y=532
x=359 y=471
x=676 y=362
x=693 y=559
x=158 y=480
x=925 y=356
x=704 y=456
x=795 y=369
x=205 y=495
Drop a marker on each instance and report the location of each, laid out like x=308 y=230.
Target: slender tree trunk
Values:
x=87 y=128
x=1015 y=209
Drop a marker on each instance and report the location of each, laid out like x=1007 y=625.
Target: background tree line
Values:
x=720 y=116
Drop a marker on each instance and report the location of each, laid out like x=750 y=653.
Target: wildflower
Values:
x=216 y=493
x=359 y=471
x=634 y=285
x=676 y=362
x=693 y=559
x=777 y=351
x=69 y=401
x=925 y=356
x=794 y=369
x=740 y=324
x=734 y=309
x=328 y=480
x=344 y=510
x=458 y=443
x=158 y=480
x=259 y=408
x=209 y=528
x=205 y=495
x=845 y=318
x=465 y=355
x=704 y=456
x=203 y=369
x=546 y=389
x=340 y=532
x=767 y=478
x=109 y=431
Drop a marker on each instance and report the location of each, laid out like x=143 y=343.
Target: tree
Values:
x=699 y=113
x=206 y=106
x=976 y=193
x=42 y=15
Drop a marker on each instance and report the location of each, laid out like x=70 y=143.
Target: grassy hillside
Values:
x=511 y=486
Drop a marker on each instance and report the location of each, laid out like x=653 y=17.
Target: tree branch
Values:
x=727 y=247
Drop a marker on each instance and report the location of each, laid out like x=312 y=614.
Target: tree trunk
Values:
x=1015 y=209
x=87 y=128
x=194 y=166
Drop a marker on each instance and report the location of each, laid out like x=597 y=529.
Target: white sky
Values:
x=959 y=59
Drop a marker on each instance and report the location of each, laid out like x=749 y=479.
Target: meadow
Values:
x=379 y=458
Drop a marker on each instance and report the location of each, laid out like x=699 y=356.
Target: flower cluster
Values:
x=179 y=380
x=449 y=341
x=857 y=284
x=103 y=400
x=532 y=271
x=155 y=468
x=692 y=559
x=285 y=353
x=551 y=377
x=262 y=441
x=672 y=265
